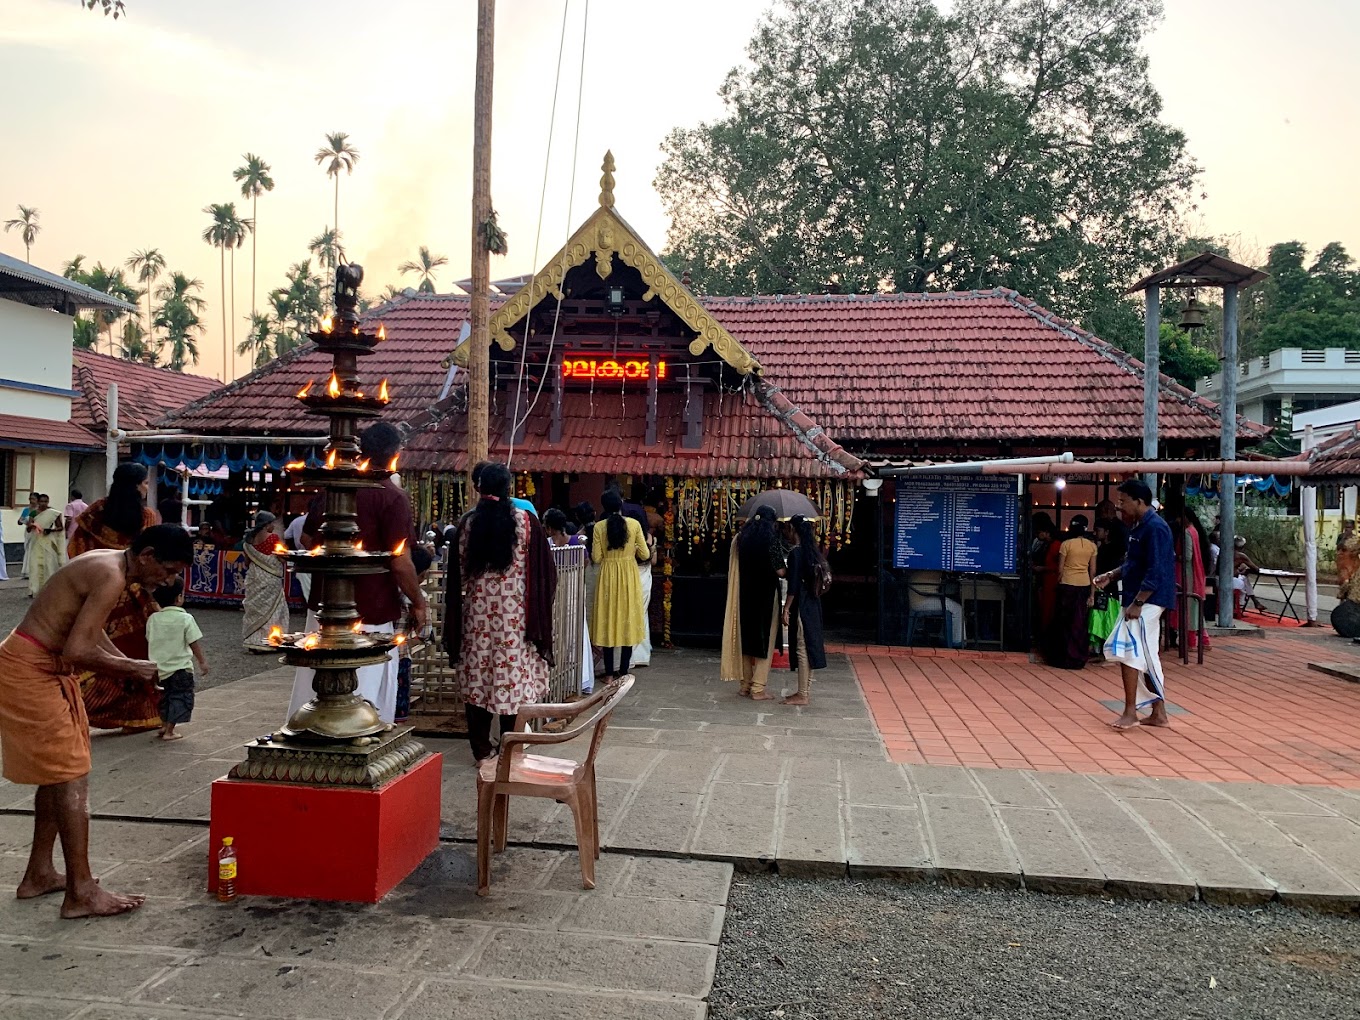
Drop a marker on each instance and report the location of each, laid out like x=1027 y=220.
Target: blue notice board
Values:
x=963 y=523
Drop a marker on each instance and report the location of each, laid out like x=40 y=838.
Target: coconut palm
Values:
x=337 y=154
x=328 y=249
x=147 y=263
x=27 y=225
x=74 y=268
x=216 y=234
x=178 y=316
x=424 y=267
x=255 y=181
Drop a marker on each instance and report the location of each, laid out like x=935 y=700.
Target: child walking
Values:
x=175 y=643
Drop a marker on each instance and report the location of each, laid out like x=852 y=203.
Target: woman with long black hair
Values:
x=803 y=607
x=617 y=622
x=754 y=567
x=498 y=610
x=114 y=522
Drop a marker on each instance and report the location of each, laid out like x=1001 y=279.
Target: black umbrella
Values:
x=784 y=502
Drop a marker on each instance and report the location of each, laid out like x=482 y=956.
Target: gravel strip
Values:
x=823 y=950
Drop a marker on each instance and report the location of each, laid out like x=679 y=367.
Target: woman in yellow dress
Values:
x=616 y=619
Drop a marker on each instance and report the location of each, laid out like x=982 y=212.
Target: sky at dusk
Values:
x=121 y=132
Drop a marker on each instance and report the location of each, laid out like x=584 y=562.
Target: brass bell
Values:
x=1192 y=316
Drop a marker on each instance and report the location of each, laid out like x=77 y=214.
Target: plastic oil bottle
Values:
x=226 y=871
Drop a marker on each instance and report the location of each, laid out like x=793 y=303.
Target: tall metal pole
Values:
x=1152 y=367
x=1227 y=484
x=479 y=354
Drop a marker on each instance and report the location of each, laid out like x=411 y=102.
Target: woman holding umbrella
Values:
x=755 y=564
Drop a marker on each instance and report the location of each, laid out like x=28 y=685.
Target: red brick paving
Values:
x=1255 y=712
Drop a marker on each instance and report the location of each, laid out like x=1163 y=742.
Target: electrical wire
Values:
x=571 y=198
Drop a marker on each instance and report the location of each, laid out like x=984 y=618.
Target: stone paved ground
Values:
x=642 y=945
x=691 y=770
x=1253 y=712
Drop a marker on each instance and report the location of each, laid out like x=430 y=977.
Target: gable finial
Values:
x=607 y=181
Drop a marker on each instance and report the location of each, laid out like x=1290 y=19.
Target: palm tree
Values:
x=113 y=283
x=74 y=269
x=137 y=345
x=148 y=263
x=297 y=307
x=255 y=181
x=216 y=234
x=27 y=225
x=424 y=268
x=85 y=333
x=259 y=342
x=236 y=231
x=337 y=154
x=328 y=249
x=390 y=293
x=178 y=316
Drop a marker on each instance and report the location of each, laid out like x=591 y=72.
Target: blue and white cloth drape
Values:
x=1137 y=643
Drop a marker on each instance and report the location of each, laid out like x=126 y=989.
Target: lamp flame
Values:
x=295 y=465
x=382 y=392
x=276 y=635
x=358 y=627
x=326 y=324
x=392 y=464
x=306 y=389
x=400 y=639
x=317 y=551
x=401 y=548
x=359 y=545
x=333 y=387
x=330 y=460
x=362 y=465
x=382 y=331
x=280 y=549
x=311 y=641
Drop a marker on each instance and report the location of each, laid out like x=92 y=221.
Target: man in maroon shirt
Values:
x=384 y=518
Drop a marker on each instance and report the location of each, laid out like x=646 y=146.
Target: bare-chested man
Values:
x=44 y=733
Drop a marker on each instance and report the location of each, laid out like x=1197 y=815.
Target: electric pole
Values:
x=479 y=354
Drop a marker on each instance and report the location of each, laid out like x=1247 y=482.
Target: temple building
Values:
x=605 y=367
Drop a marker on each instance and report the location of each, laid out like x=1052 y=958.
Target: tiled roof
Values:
x=144 y=393
x=420 y=331
x=17 y=431
x=985 y=365
x=745 y=435
x=1337 y=458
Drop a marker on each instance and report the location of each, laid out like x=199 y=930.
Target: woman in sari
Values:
x=116 y=702
x=266 y=605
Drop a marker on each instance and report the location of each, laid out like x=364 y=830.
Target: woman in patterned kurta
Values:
x=499 y=649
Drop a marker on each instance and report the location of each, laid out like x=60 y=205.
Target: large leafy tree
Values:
x=424 y=266
x=1304 y=305
x=178 y=316
x=254 y=178
x=888 y=145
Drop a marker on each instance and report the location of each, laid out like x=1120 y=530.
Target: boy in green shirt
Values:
x=174 y=643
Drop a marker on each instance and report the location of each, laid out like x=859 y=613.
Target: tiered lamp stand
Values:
x=335 y=805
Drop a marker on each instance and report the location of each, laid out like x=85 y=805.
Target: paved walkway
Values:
x=642 y=945
x=691 y=770
x=1252 y=713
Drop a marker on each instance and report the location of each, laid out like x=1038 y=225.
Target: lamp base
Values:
x=337 y=763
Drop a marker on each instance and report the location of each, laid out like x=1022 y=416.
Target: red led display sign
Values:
x=601 y=368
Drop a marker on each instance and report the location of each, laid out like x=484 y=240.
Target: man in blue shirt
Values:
x=1149 y=590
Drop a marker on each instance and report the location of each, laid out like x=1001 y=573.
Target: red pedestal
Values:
x=326 y=842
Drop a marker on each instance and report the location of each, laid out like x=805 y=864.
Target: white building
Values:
x=1337 y=502
x=37 y=435
x=1290 y=379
